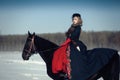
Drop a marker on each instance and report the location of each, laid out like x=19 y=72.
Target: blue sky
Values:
x=49 y=16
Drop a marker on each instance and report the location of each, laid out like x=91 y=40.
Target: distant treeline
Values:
x=102 y=39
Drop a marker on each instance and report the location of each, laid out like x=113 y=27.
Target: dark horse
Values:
x=45 y=48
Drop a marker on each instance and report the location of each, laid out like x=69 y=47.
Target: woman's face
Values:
x=75 y=20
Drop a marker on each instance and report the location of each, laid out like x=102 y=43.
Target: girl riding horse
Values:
x=74 y=60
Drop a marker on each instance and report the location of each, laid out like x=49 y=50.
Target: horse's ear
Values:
x=34 y=34
x=29 y=33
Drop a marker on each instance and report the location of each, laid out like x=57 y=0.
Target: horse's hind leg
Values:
x=111 y=71
x=115 y=68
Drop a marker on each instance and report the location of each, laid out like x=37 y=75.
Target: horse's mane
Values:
x=46 y=41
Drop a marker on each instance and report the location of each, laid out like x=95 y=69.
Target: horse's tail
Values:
x=119 y=60
x=119 y=53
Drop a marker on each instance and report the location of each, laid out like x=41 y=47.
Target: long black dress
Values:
x=83 y=63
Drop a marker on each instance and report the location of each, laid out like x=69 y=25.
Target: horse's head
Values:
x=29 y=47
x=42 y=46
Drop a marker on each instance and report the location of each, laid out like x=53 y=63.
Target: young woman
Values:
x=74 y=33
x=75 y=50
x=75 y=61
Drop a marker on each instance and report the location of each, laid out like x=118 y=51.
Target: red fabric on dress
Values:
x=60 y=61
x=68 y=64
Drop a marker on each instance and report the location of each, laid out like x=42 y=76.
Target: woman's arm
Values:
x=75 y=34
x=75 y=38
x=82 y=46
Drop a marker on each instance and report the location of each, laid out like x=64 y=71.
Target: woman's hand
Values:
x=78 y=48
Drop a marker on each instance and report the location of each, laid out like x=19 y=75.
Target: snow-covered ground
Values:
x=12 y=67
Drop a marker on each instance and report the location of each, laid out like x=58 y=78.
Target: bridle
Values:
x=32 y=46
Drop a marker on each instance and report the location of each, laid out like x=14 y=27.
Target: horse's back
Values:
x=97 y=58
x=103 y=51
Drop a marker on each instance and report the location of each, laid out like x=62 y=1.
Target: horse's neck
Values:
x=42 y=46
